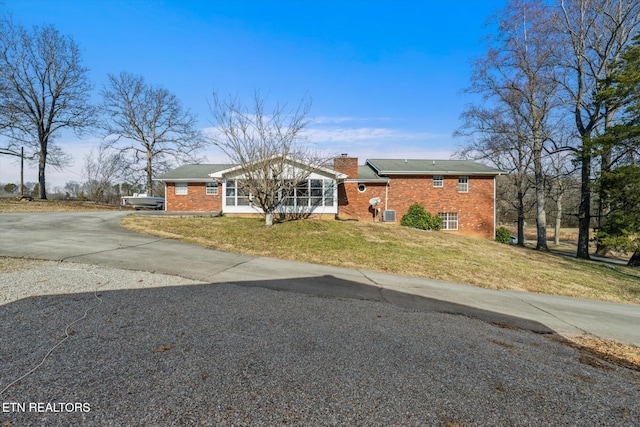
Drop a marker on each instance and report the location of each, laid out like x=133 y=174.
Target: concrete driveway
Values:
x=97 y=238
x=255 y=341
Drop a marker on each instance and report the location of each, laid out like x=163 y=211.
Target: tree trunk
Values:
x=584 y=211
x=556 y=237
x=605 y=166
x=268 y=218
x=42 y=163
x=541 y=214
x=520 y=218
x=149 y=171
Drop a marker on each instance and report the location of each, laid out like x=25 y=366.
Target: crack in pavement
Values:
x=110 y=250
x=377 y=285
x=530 y=304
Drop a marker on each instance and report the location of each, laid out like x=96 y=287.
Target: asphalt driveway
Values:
x=236 y=340
x=97 y=238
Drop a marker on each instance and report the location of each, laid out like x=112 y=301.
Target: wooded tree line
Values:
x=560 y=88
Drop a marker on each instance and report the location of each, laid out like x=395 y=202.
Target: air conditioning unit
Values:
x=389 y=216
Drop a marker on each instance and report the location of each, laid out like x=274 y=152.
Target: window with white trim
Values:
x=438 y=181
x=463 y=184
x=212 y=189
x=237 y=194
x=231 y=193
x=181 y=189
x=309 y=193
x=449 y=220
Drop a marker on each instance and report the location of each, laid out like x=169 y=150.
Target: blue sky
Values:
x=386 y=77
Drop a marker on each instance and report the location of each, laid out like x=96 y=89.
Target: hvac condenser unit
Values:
x=389 y=216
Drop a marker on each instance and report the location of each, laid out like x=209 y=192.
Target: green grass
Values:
x=394 y=249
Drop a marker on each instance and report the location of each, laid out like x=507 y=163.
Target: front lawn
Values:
x=394 y=249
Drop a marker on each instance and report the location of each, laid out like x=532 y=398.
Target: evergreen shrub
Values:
x=418 y=217
x=503 y=235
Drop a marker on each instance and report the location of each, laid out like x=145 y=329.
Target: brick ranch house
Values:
x=461 y=192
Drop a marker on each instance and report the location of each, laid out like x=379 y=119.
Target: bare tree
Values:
x=100 y=170
x=595 y=33
x=72 y=189
x=561 y=170
x=266 y=146
x=496 y=136
x=150 y=124
x=518 y=73
x=45 y=89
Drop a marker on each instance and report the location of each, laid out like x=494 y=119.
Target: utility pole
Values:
x=21 y=155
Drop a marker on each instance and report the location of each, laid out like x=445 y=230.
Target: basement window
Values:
x=449 y=220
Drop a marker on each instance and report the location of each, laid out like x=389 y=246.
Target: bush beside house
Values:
x=418 y=217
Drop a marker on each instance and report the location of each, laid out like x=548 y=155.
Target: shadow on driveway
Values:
x=332 y=352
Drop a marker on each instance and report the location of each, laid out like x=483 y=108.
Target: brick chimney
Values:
x=346 y=165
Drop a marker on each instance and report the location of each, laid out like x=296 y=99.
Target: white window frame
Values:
x=463 y=184
x=449 y=220
x=438 y=181
x=316 y=194
x=211 y=188
x=181 y=189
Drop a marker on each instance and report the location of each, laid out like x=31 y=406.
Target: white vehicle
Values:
x=143 y=201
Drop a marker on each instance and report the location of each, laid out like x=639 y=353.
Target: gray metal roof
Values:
x=192 y=173
x=430 y=167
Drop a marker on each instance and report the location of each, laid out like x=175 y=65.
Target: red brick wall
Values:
x=195 y=201
x=353 y=204
x=346 y=165
x=475 y=209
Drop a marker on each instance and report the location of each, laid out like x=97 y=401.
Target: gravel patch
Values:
x=162 y=350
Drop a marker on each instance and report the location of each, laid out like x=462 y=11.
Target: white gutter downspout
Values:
x=495 y=209
x=386 y=195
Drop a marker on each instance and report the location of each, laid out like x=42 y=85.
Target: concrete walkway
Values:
x=97 y=238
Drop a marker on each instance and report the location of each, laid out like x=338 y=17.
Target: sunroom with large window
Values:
x=315 y=195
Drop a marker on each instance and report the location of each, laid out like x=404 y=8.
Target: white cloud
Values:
x=378 y=141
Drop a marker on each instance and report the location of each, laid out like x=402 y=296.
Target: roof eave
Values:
x=185 y=179
x=381 y=180
x=439 y=173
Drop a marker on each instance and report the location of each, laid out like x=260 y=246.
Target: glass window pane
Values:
x=181 y=189
x=212 y=188
x=463 y=184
